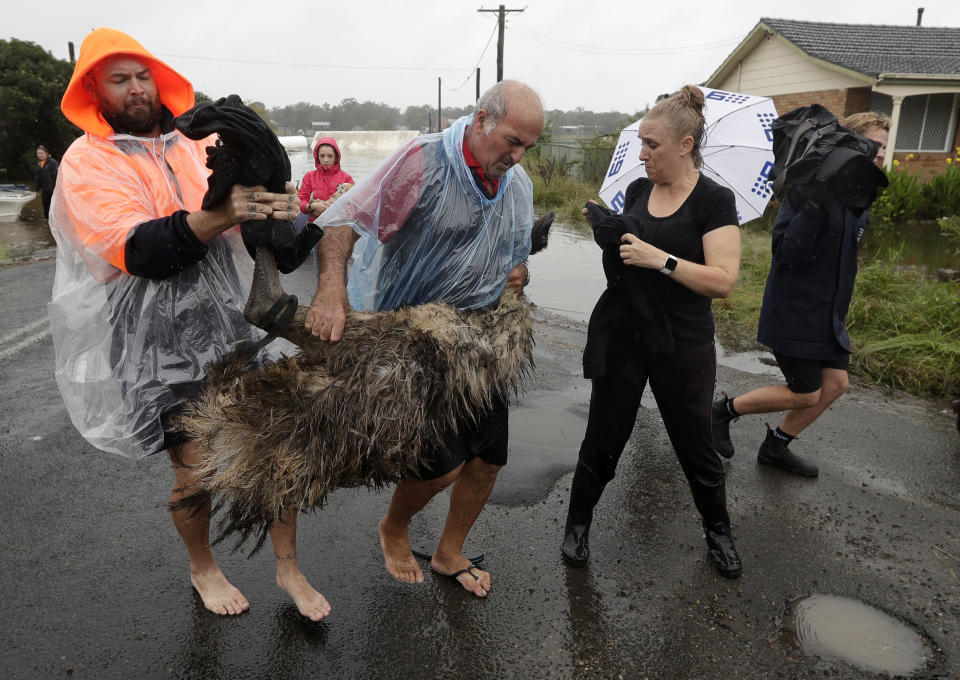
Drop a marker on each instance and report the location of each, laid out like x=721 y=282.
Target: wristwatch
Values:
x=669 y=266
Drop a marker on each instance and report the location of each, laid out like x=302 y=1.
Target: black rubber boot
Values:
x=721 y=428
x=722 y=550
x=576 y=544
x=585 y=492
x=776 y=453
x=711 y=501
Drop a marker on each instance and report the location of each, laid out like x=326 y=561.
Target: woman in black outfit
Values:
x=676 y=246
x=46 y=177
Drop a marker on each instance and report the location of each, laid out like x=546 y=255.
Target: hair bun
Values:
x=692 y=96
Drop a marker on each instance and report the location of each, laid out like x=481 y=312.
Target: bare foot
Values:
x=217 y=593
x=475 y=580
x=311 y=604
x=397 y=555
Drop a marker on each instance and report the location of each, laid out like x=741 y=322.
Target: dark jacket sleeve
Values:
x=798 y=228
x=160 y=248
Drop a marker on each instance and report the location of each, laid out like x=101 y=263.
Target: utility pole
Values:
x=439 y=116
x=502 y=12
x=478 y=85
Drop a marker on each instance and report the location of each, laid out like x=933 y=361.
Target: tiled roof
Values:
x=872 y=50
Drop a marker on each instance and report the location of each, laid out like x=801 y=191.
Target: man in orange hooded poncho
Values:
x=148 y=287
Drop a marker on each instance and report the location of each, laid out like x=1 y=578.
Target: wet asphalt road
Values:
x=94 y=581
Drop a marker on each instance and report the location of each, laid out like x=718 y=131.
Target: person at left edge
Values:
x=46 y=177
x=148 y=286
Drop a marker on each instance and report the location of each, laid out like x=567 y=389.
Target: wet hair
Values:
x=684 y=114
x=496 y=100
x=861 y=122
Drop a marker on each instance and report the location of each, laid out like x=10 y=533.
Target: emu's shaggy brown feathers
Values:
x=364 y=411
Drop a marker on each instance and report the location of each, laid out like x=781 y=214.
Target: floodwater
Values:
x=919 y=245
x=841 y=628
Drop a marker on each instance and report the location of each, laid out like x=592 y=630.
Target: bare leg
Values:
x=469 y=495
x=834 y=383
x=409 y=498
x=193 y=525
x=773 y=398
x=283 y=535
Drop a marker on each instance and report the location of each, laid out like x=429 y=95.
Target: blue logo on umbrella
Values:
x=617 y=202
x=729 y=97
x=765 y=120
x=761 y=185
x=618 y=155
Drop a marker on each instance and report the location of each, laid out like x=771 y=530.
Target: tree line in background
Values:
x=32 y=82
x=350 y=114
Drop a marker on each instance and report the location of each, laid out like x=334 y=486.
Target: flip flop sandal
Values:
x=468 y=570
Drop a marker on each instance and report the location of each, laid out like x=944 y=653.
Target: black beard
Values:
x=139 y=122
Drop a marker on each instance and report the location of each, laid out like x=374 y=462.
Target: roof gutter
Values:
x=918 y=76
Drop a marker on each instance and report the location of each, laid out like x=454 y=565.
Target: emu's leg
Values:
x=266 y=289
x=269 y=306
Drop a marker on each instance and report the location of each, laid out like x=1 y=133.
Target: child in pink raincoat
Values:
x=321 y=187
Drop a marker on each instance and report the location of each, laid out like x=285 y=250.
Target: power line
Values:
x=301 y=64
x=467 y=79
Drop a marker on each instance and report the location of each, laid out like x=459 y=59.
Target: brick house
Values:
x=910 y=73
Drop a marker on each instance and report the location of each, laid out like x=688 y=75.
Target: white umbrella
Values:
x=737 y=152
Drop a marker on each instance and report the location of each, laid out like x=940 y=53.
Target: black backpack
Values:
x=813 y=151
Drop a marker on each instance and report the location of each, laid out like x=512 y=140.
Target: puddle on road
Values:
x=546 y=429
x=755 y=362
x=844 y=629
x=545 y=423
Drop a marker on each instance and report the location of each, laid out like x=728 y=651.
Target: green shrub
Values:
x=941 y=194
x=899 y=201
x=910 y=198
x=950 y=228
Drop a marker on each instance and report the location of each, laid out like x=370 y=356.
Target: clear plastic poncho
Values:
x=127 y=348
x=427 y=232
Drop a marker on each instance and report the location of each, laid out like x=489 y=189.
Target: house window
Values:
x=927 y=121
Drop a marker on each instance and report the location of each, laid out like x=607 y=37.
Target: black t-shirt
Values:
x=708 y=207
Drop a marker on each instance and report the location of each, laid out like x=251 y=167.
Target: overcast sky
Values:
x=601 y=55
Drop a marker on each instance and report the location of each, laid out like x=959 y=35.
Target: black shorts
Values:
x=805 y=375
x=486 y=439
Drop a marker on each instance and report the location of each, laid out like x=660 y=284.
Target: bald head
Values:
x=506 y=95
x=507 y=122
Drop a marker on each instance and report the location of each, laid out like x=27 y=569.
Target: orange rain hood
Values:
x=82 y=108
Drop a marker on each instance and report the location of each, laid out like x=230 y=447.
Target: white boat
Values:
x=12 y=199
x=294 y=142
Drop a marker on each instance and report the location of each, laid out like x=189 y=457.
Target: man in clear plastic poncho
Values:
x=148 y=286
x=447 y=218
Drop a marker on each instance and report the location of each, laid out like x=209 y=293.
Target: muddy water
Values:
x=833 y=627
x=28 y=238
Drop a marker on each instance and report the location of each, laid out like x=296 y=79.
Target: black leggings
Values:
x=682 y=384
